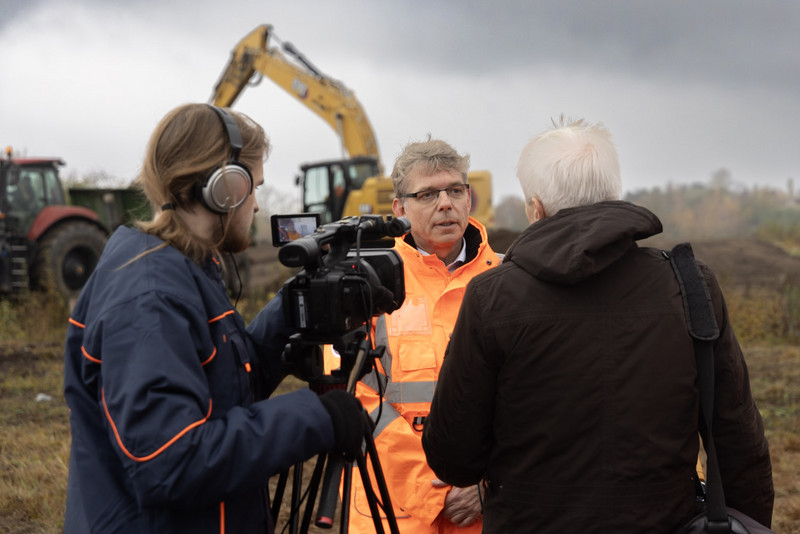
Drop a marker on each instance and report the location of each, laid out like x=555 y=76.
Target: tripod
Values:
x=337 y=468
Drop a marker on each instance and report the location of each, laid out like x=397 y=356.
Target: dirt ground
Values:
x=744 y=264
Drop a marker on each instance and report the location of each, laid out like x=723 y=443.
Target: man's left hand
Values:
x=462 y=506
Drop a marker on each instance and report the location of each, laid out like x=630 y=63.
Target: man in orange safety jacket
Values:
x=443 y=251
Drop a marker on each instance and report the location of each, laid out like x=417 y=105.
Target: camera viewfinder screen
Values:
x=287 y=228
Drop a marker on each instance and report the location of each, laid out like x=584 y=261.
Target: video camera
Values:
x=330 y=303
x=339 y=289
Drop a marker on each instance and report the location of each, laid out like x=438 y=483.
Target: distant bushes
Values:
x=781 y=227
x=707 y=211
x=719 y=210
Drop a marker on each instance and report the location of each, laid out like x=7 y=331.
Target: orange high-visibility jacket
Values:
x=416 y=336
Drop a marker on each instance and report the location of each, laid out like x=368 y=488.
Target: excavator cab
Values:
x=327 y=185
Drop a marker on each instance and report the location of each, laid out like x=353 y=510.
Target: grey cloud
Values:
x=713 y=81
x=12 y=10
x=712 y=40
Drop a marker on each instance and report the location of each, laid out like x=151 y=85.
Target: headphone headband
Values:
x=229 y=185
x=234 y=136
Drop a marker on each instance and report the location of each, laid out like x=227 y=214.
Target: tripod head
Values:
x=305 y=360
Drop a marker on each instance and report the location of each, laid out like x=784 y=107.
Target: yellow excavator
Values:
x=333 y=188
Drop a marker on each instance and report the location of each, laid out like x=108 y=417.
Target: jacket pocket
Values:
x=227 y=372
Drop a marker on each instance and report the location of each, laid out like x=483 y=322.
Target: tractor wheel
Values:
x=67 y=256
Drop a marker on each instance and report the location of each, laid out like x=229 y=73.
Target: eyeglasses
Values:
x=429 y=196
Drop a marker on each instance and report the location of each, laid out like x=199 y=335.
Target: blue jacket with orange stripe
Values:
x=163 y=382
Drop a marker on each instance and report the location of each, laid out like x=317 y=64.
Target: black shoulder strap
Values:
x=696 y=299
x=703 y=328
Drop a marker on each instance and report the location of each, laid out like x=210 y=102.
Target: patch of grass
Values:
x=10 y=321
x=34 y=448
x=34 y=316
x=759 y=318
x=775 y=382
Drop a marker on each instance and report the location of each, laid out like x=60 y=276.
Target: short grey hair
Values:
x=428 y=157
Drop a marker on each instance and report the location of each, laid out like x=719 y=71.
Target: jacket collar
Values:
x=473 y=236
x=577 y=243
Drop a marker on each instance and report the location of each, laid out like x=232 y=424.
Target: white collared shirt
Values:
x=462 y=256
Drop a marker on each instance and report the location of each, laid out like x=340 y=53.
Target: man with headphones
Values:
x=171 y=427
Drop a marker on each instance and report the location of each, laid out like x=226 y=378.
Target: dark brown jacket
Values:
x=569 y=386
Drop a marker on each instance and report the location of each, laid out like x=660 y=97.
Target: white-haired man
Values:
x=569 y=381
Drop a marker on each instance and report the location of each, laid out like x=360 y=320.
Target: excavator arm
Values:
x=333 y=188
x=253 y=57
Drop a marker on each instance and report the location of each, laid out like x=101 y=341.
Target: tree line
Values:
x=716 y=209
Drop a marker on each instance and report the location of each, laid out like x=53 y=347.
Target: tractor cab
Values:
x=27 y=186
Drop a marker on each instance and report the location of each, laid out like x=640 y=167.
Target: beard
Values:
x=232 y=235
x=235 y=240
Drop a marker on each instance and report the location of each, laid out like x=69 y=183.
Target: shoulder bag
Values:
x=717 y=517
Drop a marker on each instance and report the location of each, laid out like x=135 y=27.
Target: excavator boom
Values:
x=330 y=99
x=333 y=188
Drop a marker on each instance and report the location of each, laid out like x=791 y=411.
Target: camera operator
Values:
x=166 y=386
x=443 y=251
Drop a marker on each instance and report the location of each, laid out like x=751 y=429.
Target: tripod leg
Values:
x=278 y=497
x=312 y=493
x=371 y=498
x=297 y=483
x=381 y=481
x=347 y=484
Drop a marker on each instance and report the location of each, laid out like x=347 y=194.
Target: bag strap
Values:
x=703 y=328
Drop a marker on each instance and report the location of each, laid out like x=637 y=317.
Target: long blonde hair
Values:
x=185 y=148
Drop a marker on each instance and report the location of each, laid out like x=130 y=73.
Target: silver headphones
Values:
x=229 y=185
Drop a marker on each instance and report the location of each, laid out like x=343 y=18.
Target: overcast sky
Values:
x=686 y=87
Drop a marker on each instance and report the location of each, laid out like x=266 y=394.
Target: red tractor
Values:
x=43 y=240
x=52 y=236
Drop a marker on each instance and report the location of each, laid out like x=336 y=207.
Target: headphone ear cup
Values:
x=227 y=188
